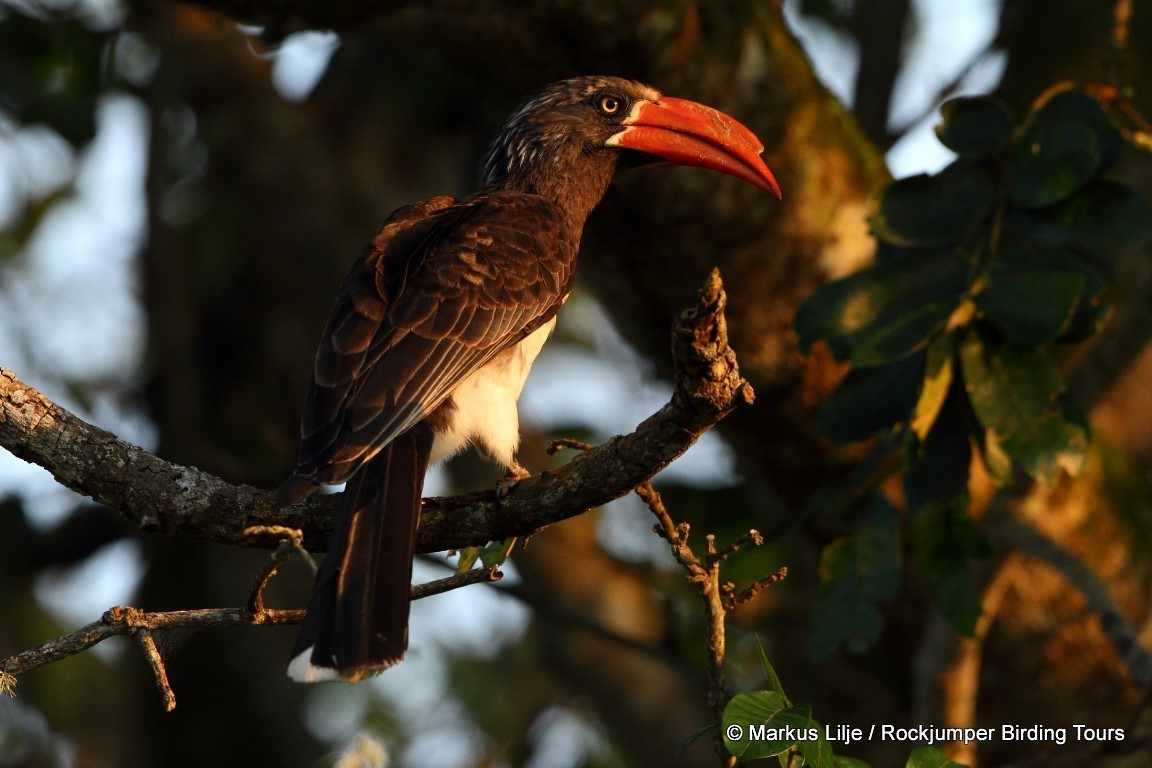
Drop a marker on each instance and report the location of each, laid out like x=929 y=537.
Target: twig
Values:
x=291 y=543
x=1115 y=67
x=718 y=598
x=560 y=444
x=731 y=599
x=128 y=621
x=752 y=537
x=152 y=653
x=707 y=580
x=283 y=533
x=677 y=538
x=162 y=497
x=488 y=574
x=143 y=625
x=1117 y=91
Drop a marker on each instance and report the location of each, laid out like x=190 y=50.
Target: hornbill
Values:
x=435 y=327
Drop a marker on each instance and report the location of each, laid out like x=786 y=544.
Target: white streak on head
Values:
x=521 y=143
x=633 y=116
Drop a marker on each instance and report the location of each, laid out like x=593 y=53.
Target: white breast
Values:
x=485 y=413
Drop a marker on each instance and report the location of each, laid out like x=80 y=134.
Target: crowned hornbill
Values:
x=433 y=332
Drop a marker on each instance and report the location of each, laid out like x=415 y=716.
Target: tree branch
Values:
x=142 y=625
x=162 y=497
x=1034 y=543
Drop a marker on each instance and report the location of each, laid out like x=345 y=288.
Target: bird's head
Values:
x=570 y=136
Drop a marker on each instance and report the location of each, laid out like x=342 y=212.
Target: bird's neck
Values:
x=573 y=181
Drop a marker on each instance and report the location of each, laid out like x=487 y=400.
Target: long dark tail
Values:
x=357 y=621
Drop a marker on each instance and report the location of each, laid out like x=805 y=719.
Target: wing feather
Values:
x=444 y=288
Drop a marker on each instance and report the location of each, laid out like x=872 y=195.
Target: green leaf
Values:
x=766 y=724
x=975 y=127
x=1053 y=161
x=938 y=467
x=848 y=762
x=933 y=210
x=886 y=311
x=907 y=333
x=496 y=552
x=935 y=384
x=1092 y=310
x=930 y=757
x=752 y=709
x=1074 y=105
x=710 y=728
x=492 y=553
x=817 y=753
x=468 y=557
x=1103 y=214
x=1017 y=395
x=943 y=539
x=996 y=461
x=856 y=572
x=1031 y=295
x=868 y=400
x=770 y=672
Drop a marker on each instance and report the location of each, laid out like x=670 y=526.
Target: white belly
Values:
x=485 y=414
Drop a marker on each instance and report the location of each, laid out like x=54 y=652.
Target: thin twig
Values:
x=732 y=599
x=1116 y=65
x=295 y=536
x=291 y=541
x=560 y=444
x=486 y=575
x=125 y=620
x=152 y=653
x=255 y=604
x=134 y=622
x=752 y=537
x=718 y=598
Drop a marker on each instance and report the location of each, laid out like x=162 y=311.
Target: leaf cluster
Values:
x=770 y=711
x=982 y=272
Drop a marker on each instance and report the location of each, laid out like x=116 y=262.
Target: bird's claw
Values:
x=511 y=479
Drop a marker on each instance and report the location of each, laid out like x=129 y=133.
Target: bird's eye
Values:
x=610 y=105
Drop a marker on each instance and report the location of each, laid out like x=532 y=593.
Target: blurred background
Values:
x=182 y=187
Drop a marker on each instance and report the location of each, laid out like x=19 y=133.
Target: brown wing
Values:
x=440 y=291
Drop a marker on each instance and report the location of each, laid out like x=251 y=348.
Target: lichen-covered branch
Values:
x=169 y=498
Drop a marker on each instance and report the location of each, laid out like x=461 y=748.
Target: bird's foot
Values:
x=516 y=473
